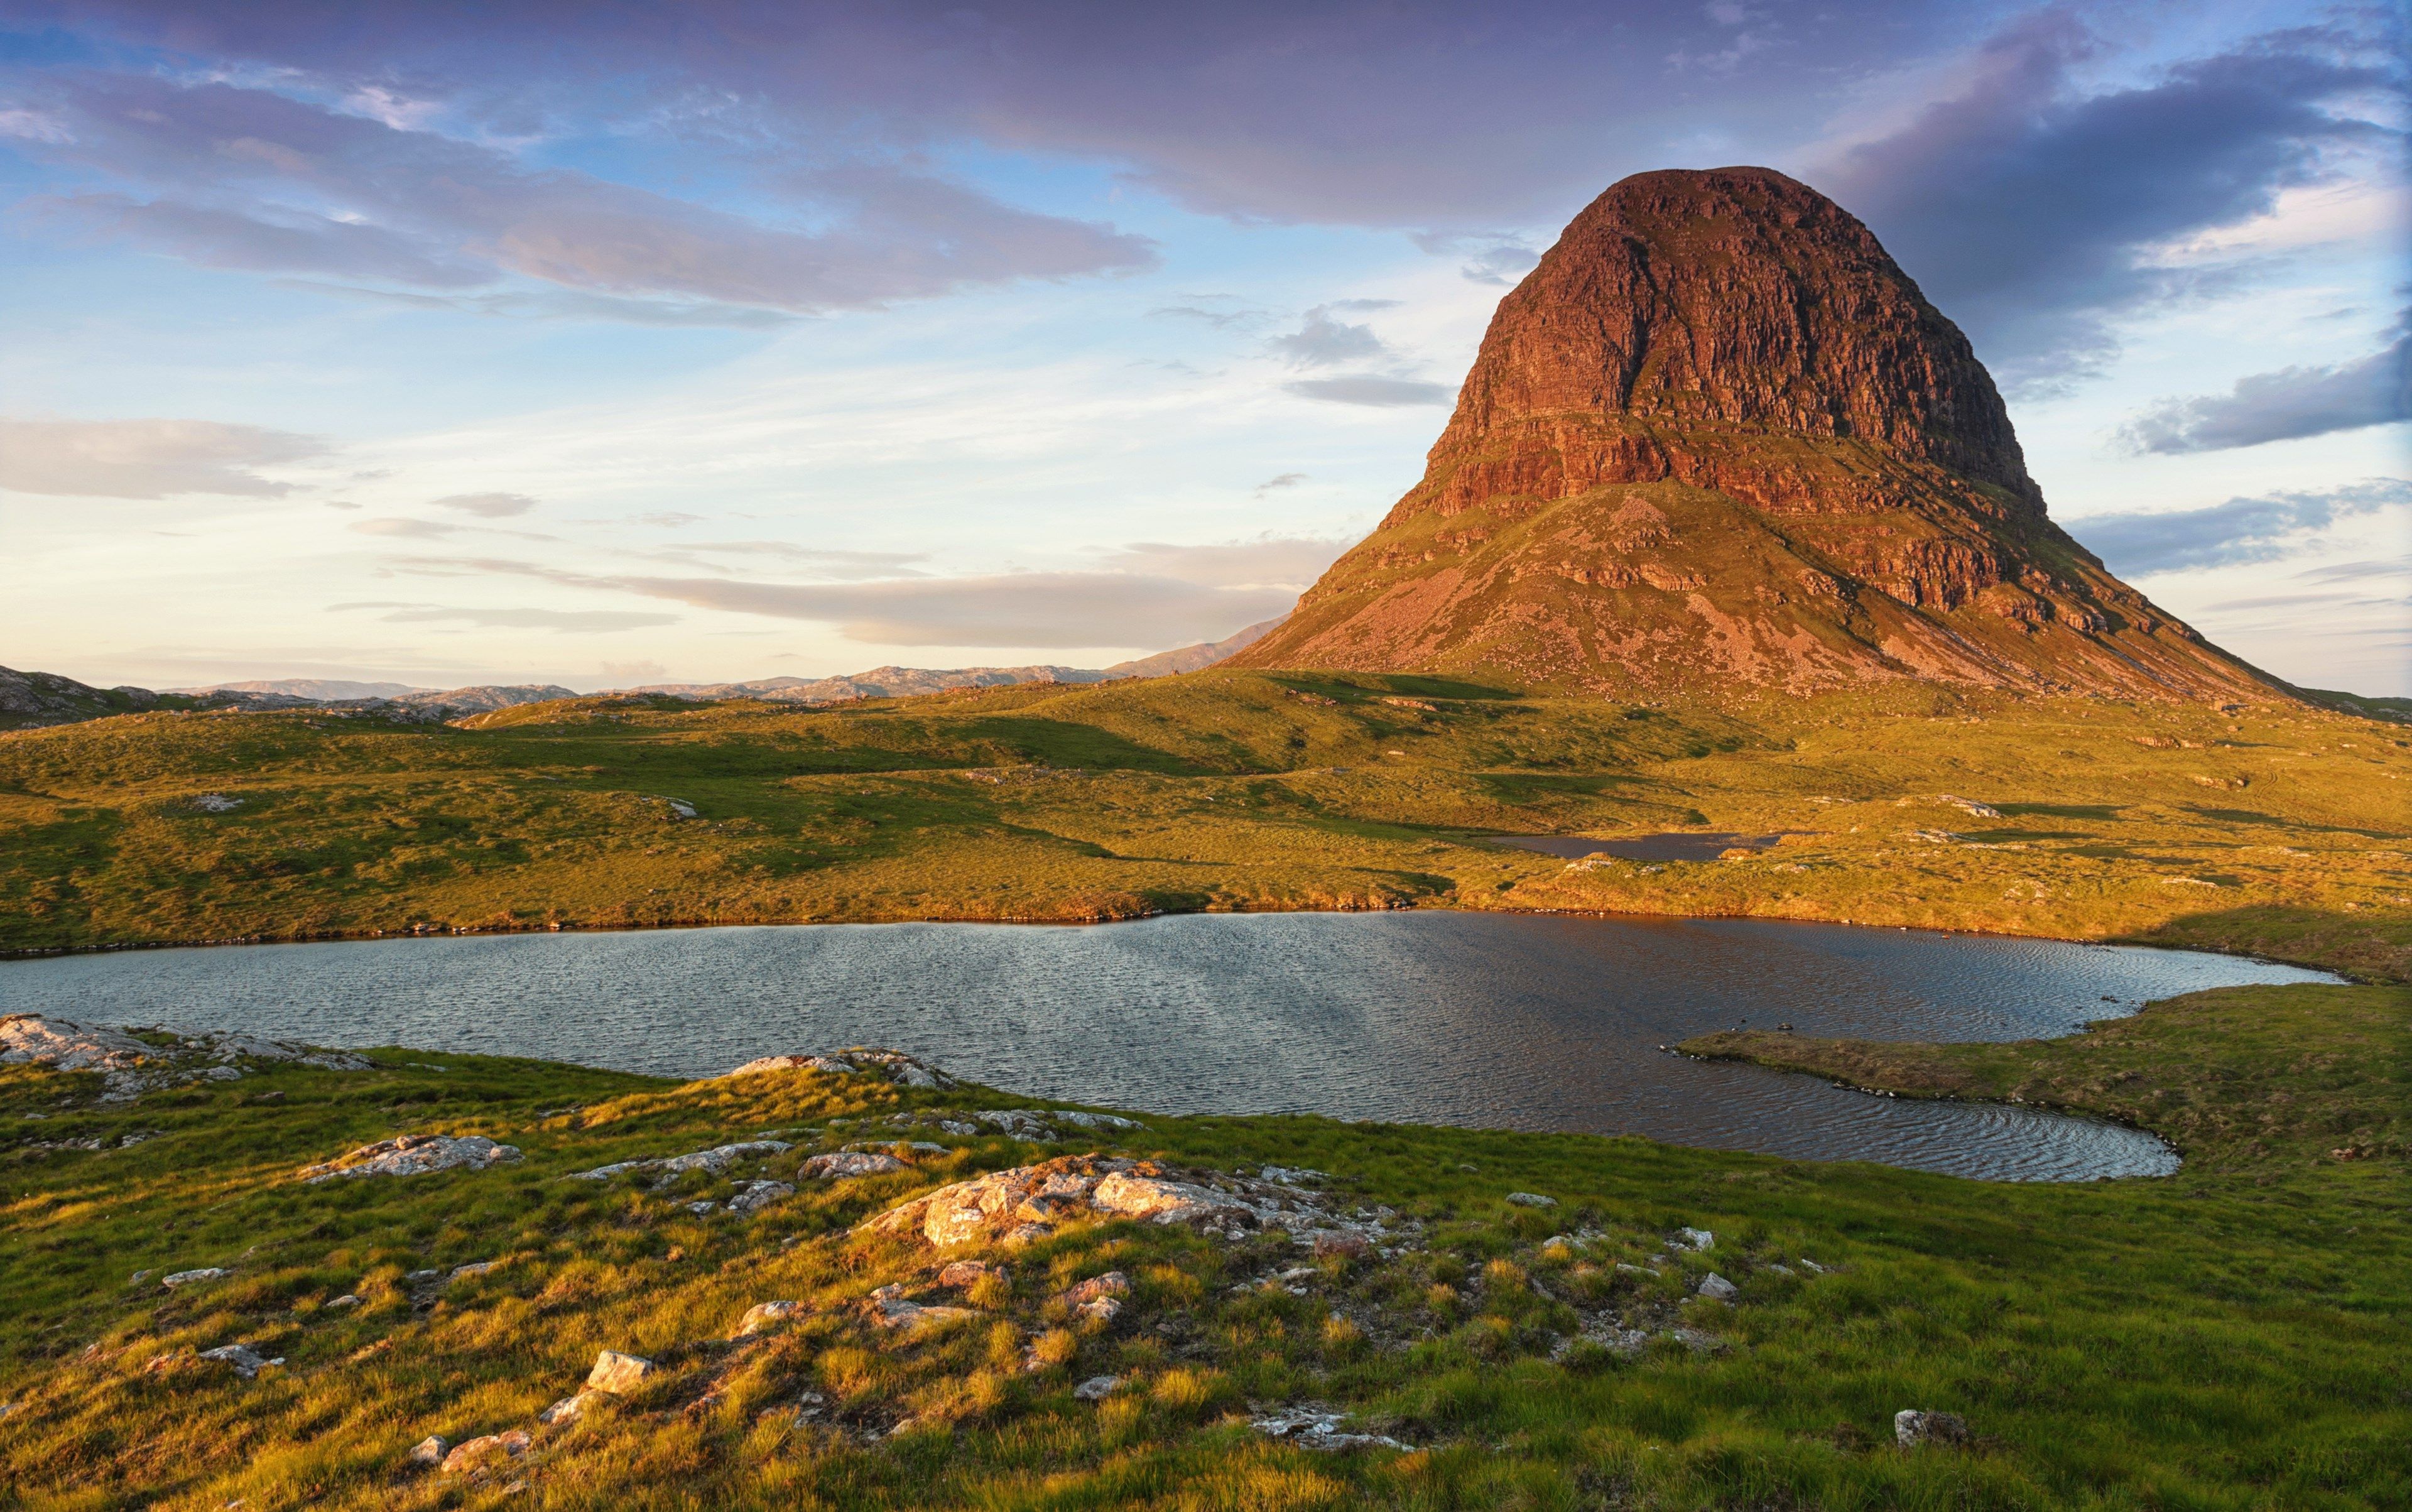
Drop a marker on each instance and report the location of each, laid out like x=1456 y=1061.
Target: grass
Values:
x=2282 y=829
x=2234 y=1336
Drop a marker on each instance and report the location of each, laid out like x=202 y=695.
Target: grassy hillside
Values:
x=2232 y=1337
x=2279 y=828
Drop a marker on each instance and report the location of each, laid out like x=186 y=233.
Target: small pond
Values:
x=1484 y=1020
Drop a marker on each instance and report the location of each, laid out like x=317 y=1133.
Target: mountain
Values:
x=28 y=699
x=1192 y=658
x=319 y=689
x=1718 y=440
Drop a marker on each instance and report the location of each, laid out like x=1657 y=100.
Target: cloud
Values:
x=1491 y=257
x=563 y=620
x=2030 y=208
x=1367 y=388
x=487 y=506
x=146 y=459
x=1283 y=480
x=396 y=525
x=829 y=563
x=252 y=179
x=1273 y=561
x=2284 y=406
x=1321 y=342
x=2241 y=531
x=1148 y=594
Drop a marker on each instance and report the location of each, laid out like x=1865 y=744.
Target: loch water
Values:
x=1497 y=1021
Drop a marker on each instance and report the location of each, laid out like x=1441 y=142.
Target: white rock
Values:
x=1716 y=1288
x=569 y=1409
x=759 y=1196
x=1912 y=1429
x=1093 y=1120
x=1531 y=1199
x=29 y=1038
x=716 y=1160
x=846 y=1165
x=246 y=1363
x=765 y=1316
x=1698 y=1239
x=430 y=1451
x=619 y=1373
x=476 y=1452
x=894 y=1066
x=1097 y=1387
x=347 y=1299
x=185 y=1278
x=891 y=1309
x=412 y=1155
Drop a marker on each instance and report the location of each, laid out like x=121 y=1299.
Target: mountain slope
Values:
x=1718 y=440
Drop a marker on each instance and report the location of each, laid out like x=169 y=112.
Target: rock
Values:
x=186 y=1277
x=1339 y=1244
x=338 y=1305
x=1293 y=1175
x=1318 y=1427
x=1020 y=1123
x=31 y=1039
x=1028 y=1202
x=716 y=1160
x=1696 y=1239
x=215 y=802
x=1099 y=1298
x=412 y=1155
x=1717 y=439
x=1097 y=1387
x=759 y=1196
x=1716 y=1288
x=1093 y=1120
x=246 y=1363
x=1531 y=1199
x=1913 y=1428
x=891 y=1309
x=430 y=1451
x=475 y=1268
x=619 y=1374
x=962 y=1276
x=846 y=1165
x=478 y=1453
x=569 y=1409
x=892 y=1065
x=763 y=1316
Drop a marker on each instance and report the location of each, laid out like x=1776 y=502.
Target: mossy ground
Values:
x=2234 y=1336
x=2282 y=827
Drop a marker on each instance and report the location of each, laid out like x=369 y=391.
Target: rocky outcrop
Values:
x=130 y=1066
x=1717 y=439
x=888 y=1065
x=411 y=1154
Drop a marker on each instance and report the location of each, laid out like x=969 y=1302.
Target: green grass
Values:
x=2234 y=1336
x=2282 y=829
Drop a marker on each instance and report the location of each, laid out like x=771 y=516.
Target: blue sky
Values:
x=735 y=340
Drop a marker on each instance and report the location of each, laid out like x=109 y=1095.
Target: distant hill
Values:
x=1717 y=440
x=28 y=699
x=319 y=689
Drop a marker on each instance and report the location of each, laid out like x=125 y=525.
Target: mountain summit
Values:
x=1718 y=439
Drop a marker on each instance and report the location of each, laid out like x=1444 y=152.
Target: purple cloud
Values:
x=248 y=178
x=2286 y=405
x=147 y=459
x=2237 y=532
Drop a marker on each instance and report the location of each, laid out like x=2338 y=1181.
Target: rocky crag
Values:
x=1718 y=440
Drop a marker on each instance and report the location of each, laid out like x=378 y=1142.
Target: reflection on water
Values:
x=1486 y=1019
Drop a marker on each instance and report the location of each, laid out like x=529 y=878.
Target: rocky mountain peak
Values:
x=1718 y=438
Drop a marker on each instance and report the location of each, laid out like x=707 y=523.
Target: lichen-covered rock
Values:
x=1097 y=1387
x=430 y=1451
x=759 y=1196
x=1531 y=1199
x=246 y=1361
x=569 y=1409
x=186 y=1277
x=1716 y=1288
x=716 y=1160
x=962 y=1276
x=1099 y=1298
x=763 y=1316
x=845 y=1165
x=1913 y=1428
x=861 y=1060
x=477 y=1454
x=30 y=1038
x=619 y=1373
x=412 y=1155
x=891 y=1309
x=1029 y=1202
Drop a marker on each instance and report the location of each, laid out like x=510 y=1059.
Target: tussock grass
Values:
x=2234 y=1336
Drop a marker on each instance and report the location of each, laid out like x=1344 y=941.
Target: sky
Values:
x=609 y=345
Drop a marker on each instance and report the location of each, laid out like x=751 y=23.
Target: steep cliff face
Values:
x=1718 y=439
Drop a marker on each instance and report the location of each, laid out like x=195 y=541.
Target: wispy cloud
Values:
x=1367 y=388
x=487 y=506
x=563 y=620
x=2237 y=532
x=402 y=526
x=1322 y=341
x=146 y=459
x=2288 y=405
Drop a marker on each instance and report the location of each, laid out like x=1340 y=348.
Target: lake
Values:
x=1500 y=1021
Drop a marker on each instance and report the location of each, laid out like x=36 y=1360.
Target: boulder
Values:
x=1097 y=1387
x=338 y=1305
x=246 y=1363
x=30 y=1038
x=1716 y=1288
x=1694 y=1239
x=716 y=1160
x=1531 y=1199
x=569 y=1409
x=962 y=1276
x=430 y=1451
x=891 y=1310
x=846 y=1165
x=478 y=1453
x=1913 y=1428
x=411 y=1154
x=619 y=1374
x=1099 y=1298
x=763 y=1316
x=185 y=1278
x=759 y=1196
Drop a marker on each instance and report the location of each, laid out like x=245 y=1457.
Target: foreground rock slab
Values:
x=412 y=1155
